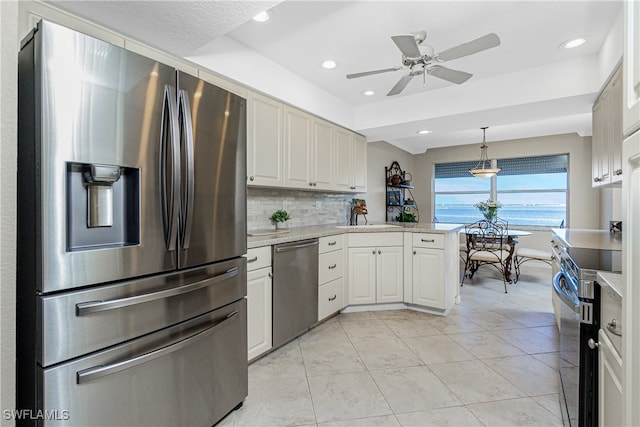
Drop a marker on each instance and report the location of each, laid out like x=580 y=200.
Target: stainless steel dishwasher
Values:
x=295 y=289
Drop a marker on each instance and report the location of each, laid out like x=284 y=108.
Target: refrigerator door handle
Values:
x=188 y=197
x=90 y=374
x=169 y=193
x=89 y=307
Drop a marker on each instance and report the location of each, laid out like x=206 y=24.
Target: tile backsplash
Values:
x=304 y=207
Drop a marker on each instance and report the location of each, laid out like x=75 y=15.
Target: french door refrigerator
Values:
x=131 y=231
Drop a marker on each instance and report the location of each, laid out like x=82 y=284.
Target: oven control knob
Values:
x=592 y=344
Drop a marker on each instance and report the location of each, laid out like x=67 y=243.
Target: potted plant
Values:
x=279 y=217
x=489 y=209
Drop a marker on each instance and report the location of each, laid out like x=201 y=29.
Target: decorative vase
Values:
x=281 y=225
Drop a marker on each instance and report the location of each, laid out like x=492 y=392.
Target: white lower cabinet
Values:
x=259 y=301
x=428 y=277
x=330 y=275
x=610 y=394
x=375 y=275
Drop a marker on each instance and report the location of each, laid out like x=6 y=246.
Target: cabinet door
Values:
x=297 y=148
x=342 y=162
x=265 y=143
x=323 y=155
x=615 y=129
x=258 y=312
x=359 y=163
x=610 y=396
x=362 y=275
x=389 y=285
x=428 y=277
x=631 y=58
x=596 y=143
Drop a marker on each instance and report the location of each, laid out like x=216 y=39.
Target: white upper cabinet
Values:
x=631 y=84
x=297 y=149
x=607 y=133
x=265 y=143
x=350 y=161
x=323 y=155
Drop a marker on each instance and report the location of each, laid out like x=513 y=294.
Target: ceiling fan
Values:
x=422 y=60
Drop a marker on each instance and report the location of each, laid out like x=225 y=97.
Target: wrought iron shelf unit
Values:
x=400 y=203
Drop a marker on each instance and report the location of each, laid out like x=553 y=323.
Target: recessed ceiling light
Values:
x=423 y=132
x=262 y=17
x=570 y=44
x=329 y=64
x=368 y=93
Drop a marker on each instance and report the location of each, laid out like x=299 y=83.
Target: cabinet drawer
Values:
x=375 y=239
x=428 y=240
x=258 y=258
x=331 y=243
x=330 y=298
x=330 y=266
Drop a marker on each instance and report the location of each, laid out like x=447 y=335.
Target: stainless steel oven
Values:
x=575 y=285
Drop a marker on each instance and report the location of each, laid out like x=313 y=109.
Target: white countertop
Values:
x=312 y=232
x=612 y=281
x=589 y=239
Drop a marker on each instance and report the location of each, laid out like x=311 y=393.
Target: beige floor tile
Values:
x=325 y=358
x=412 y=326
x=551 y=403
x=277 y=403
x=373 y=329
x=346 y=396
x=285 y=362
x=330 y=332
x=438 y=349
x=475 y=382
x=552 y=360
x=413 y=389
x=491 y=320
x=528 y=374
x=529 y=340
x=530 y=319
x=455 y=324
x=516 y=412
x=484 y=345
x=385 y=354
x=400 y=314
x=357 y=316
x=382 y=421
x=457 y=416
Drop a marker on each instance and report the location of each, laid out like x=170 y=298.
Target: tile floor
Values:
x=492 y=361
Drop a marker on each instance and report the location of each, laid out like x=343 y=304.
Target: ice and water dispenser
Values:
x=103 y=206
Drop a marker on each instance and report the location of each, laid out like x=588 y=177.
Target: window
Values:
x=532 y=191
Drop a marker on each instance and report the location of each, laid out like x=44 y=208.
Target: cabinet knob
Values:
x=333 y=297
x=270 y=274
x=333 y=243
x=597 y=179
x=331 y=267
x=251 y=178
x=311 y=184
x=618 y=172
x=373 y=252
x=379 y=251
x=414 y=252
x=353 y=187
x=593 y=344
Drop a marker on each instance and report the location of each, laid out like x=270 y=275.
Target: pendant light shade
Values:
x=483 y=169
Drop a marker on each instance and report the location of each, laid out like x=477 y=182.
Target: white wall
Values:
x=379 y=155
x=8 y=149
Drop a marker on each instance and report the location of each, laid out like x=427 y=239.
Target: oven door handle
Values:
x=566 y=299
x=90 y=374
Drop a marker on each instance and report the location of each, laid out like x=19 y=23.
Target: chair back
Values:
x=486 y=236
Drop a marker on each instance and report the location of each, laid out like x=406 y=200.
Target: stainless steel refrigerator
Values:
x=131 y=231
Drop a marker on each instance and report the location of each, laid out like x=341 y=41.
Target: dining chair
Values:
x=487 y=244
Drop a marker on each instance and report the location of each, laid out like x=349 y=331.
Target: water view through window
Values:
x=532 y=191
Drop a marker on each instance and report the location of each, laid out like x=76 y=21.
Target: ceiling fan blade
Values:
x=407 y=45
x=453 y=76
x=469 y=48
x=399 y=87
x=368 y=73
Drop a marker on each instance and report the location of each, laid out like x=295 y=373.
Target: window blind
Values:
x=514 y=166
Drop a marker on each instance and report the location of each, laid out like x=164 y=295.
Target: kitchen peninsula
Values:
x=360 y=268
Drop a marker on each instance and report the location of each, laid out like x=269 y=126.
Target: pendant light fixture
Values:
x=484 y=168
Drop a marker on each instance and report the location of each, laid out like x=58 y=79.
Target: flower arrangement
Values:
x=489 y=209
x=279 y=217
